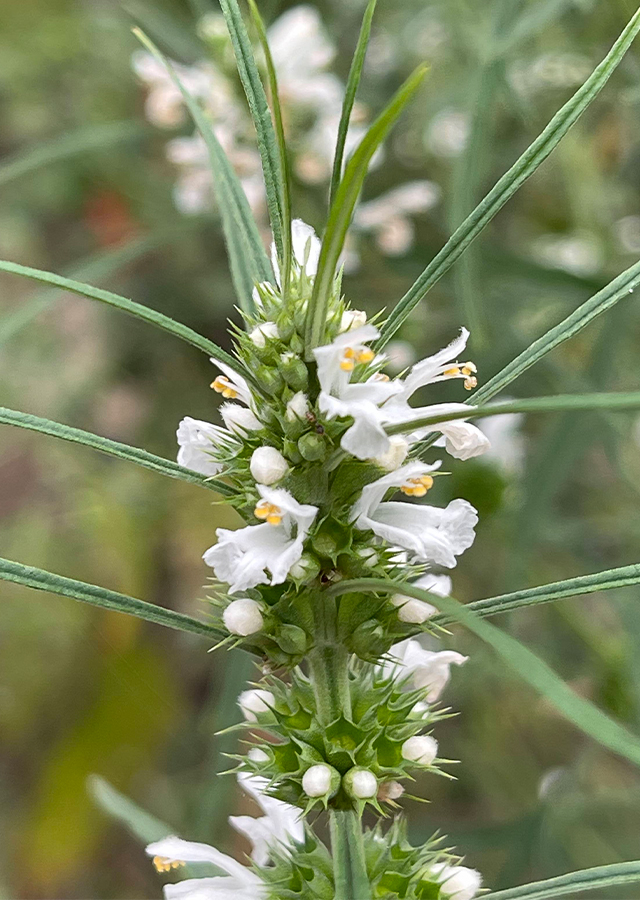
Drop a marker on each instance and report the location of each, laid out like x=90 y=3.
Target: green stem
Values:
x=329 y=671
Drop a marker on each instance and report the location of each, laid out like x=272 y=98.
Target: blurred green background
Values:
x=85 y=691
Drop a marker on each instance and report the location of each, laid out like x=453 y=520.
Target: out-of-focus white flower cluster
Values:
x=311 y=98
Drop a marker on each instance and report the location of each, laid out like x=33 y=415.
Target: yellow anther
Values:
x=223 y=386
x=164 y=864
x=381 y=376
x=271 y=513
x=365 y=356
x=349 y=353
x=453 y=372
x=469 y=368
x=417 y=487
x=347 y=365
x=470 y=383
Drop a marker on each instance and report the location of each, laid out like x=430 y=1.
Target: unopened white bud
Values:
x=268 y=465
x=411 y=611
x=352 y=318
x=368 y=556
x=391 y=790
x=260 y=334
x=457 y=882
x=361 y=784
x=239 y=419
x=421 y=749
x=243 y=617
x=395 y=455
x=297 y=407
x=257 y=755
x=255 y=702
x=316 y=781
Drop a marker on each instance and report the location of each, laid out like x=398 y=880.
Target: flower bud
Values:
x=312 y=447
x=254 y=703
x=269 y=379
x=291 y=451
x=257 y=755
x=243 y=617
x=457 y=882
x=368 y=640
x=291 y=639
x=268 y=465
x=306 y=569
x=297 y=407
x=361 y=784
x=421 y=749
x=391 y=790
x=296 y=343
x=368 y=556
x=320 y=781
x=411 y=611
x=294 y=371
x=239 y=419
x=260 y=334
x=395 y=455
x=352 y=318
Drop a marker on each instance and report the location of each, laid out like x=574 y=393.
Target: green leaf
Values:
x=343 y=206
x=261 y=115
x=140 y=823
x=129 y=306
x=583 y=714
x=247 y=256
x=113 y=448
x=561 y=403
x=40 y=580
x=595 y=879
x=604 y=300
x=283 y=153
x=510 y=182
x=86 y=139
x=549 y=593
x=353 y=82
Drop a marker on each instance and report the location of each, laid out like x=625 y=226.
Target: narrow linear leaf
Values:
x=342 y=208
x=353 y=82
x=507 y=186
x=595 y=879
x=113 y=448
x=583 y=714
x=561 y=403
x=247 y=256
x=138 y=821
x=129 y=306
x=549 y=593
x=285 y=173
x=261 y=115
x=93 y=137
x=40 y=580
x=604 y=300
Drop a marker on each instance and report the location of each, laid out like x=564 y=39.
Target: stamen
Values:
x=164 y=864
x=470 y=383
x=271 y=513
x=365 y=356
x=452 y=372
x=351 y=356
x=417 y=487
x=223 y=386
x=469 y=368
x=347 y=365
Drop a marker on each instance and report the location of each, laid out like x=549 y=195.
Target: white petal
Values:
x=464 y=440
x=214 y=889
x=238 y=382
x=424 y=371
x=176 y=849
x=305 y=243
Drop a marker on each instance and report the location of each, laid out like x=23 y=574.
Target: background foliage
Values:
x=85 y=691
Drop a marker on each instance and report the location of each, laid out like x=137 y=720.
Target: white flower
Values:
x=262 y=332
x=336 y=361
x=306 y=247
x=231 y=385
x=239 y=882
x=427 y=669
x=507 y=441
x=198 y=442
x=416 y=612
x=242 y=557
x=316 y=781
x=363 y=784
x=297 y=407
x=352 y=318
x=421 y=749
x=243 y=617
x=254 y=702
x=457 y=882
x=268 y=465
x=281 y=823
x=239 y=419
x=395 y=455
x=429 y=533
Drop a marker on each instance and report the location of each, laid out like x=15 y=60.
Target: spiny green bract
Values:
x=383 y=716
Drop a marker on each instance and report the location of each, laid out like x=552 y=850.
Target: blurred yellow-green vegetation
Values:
x=85 y=691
